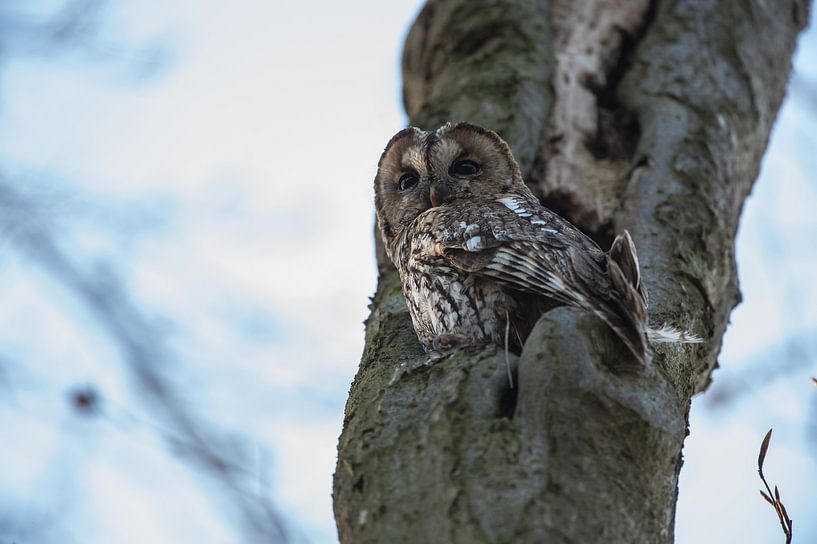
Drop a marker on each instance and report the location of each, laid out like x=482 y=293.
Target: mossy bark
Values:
x=677 y=100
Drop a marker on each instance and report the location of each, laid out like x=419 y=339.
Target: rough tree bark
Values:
x=647 y=115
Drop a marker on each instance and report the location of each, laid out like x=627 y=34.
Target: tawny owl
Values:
x=480 y=259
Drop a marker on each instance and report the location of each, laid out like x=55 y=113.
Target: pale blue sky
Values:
x=231 y=189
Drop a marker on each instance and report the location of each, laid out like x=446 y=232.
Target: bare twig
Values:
x=773 y=498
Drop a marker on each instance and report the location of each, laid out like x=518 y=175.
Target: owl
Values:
x=480 y=259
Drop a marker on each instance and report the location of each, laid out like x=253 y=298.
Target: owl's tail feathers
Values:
x=624 y=257
x=627 y=312
x=667 y=334
x=622 y=264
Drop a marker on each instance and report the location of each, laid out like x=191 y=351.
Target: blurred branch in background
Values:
x=102 y=292
x=25 y=222
x=73 y=28
x=793 y=355
x=28 y=525
x=73 y=24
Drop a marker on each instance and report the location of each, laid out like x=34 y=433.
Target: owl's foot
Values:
x=442 y=346
x=447 y=344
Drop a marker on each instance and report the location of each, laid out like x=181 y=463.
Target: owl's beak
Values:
x=438 y=194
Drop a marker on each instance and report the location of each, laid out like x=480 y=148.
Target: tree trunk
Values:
x=647 y=116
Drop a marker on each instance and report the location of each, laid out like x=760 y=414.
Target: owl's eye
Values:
x=464 y=168
x=407 y=181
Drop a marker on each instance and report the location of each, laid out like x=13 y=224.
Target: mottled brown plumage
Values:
x=474 y=247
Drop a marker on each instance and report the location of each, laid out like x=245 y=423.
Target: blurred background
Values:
x=186 y=258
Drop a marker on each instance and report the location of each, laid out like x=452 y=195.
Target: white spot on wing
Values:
x=474 y=244
x=513 y=204
x=509 y=202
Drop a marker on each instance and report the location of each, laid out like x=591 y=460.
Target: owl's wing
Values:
x=520 y=242
x=516 y=241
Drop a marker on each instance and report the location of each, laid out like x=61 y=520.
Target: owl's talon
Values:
x=443 y=346
x=448 y=344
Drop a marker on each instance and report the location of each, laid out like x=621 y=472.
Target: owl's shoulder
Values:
x=484 y=221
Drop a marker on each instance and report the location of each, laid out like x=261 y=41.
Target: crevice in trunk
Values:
x=508 y=396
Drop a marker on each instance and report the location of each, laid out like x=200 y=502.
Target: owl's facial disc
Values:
x=419 y=170
x=461 y=171
x=461 y=177
x=466 y=160
x=401 y=185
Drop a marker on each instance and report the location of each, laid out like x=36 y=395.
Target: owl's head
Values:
x=420 y=170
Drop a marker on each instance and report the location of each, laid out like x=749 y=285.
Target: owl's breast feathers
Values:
x=516 y=242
